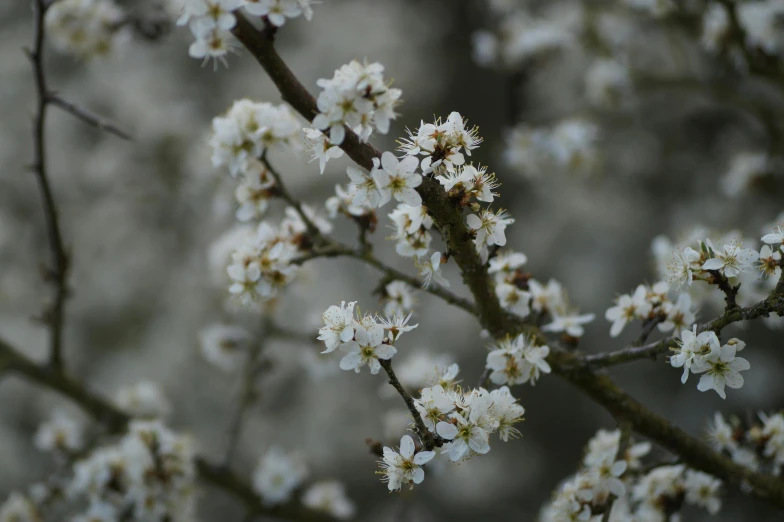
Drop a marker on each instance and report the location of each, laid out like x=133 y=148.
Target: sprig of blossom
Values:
x=356 y=96
x=651 y=303
x=467 y=182
x=364 y=339
x=441 y=143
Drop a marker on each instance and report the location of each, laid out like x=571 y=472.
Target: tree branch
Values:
x=774 y=303
x=57 y=272
x=90 y=118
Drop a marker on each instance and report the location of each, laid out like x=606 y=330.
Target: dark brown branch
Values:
x=90 y=118
x=57 y=272
x=115 y=421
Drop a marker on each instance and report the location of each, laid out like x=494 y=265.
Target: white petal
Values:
x=406 y=446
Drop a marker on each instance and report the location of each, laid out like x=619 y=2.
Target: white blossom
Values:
x=692 y=349
x=321 y=148
x=404 y=467
x=442 y=144
x=358 y=97
x=627 y=309
x=489 y=229
x=731 y=260
x=569 y=322
x=339 y=325
x=366 y=349
x=396 y=179
x=430 y=270
x=721 y=368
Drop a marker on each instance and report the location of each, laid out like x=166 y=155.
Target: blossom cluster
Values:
x=85 y=28
x=652 y=303
x=365 y=339
x=441 y=143
x=612 y=472
x=465 y=419
x=703 y=353
x=356 y=96
x=247 y=131
x=517 y=361
x=695 y=258
x=211 y=21
x=758 y=445
x=149 y=472
x=263 y=263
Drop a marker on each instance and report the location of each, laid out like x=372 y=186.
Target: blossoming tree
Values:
x=443 y=210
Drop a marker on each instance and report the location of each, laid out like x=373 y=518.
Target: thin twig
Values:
x=313 y=231
x=89 y=117
x=429 y=440
x=773 y=304
x=647 y=329
x=57 y=272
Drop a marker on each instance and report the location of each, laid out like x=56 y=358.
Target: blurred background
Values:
x=658 y=153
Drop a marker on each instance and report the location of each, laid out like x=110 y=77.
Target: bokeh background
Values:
x=140 y=219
